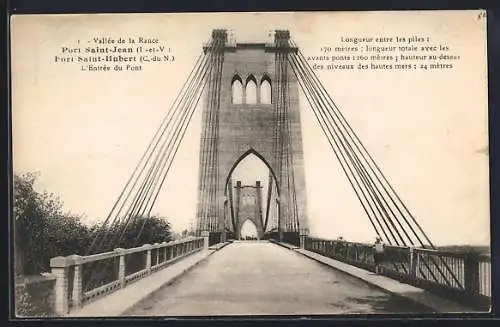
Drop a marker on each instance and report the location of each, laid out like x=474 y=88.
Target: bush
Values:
x=35 y=299
x=24 y=306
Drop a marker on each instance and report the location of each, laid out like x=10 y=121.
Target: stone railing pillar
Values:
x=148 y=258
x=164 y=249
x=303 y=234
x=205 y=236
x=121 y=267
x=77 y=294
x=157 y=253
x=59 y=269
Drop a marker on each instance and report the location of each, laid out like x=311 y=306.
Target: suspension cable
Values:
x=350 y=176
x=320 y=104
x=408 y=224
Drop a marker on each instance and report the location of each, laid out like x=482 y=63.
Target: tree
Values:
x=42 y=230
x=146 y=230
x=137 y=232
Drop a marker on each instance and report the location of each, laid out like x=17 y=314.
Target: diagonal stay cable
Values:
x=164 y=153
x=299 y=73
x=211 y=176
x=444 y=263
x=338 y=133
x=195 y=100
x=207 y=148
x=115 y=224
x=218 y=77
x=168 y=120
x=290 y=150
x=132 y=210
x=387 y=225
x=277 y=140
x=325 y=94
x=313 y=104
x=344 y=163
x=120 y=237
x=152 y=145
x=120 y=197
x=339 y=113
x=183 y=128
x=169 y=155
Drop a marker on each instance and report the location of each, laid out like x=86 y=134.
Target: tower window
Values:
x=265 y=91
x=251 y=90
x=236 y=90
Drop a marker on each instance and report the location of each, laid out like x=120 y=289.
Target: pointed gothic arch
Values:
x=265 y=90
x=236 y=90
x=243 y=156
x=251 y=90
x=251 y=224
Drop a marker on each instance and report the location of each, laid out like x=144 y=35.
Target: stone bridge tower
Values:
x=248 y=206
x=256 y=97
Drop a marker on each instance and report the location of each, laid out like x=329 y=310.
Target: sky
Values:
x=85 y=131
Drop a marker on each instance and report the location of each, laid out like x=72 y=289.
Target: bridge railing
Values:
x=464 y=275
x=82 y=279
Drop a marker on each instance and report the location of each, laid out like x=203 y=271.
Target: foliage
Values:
x=39 y=305
x=43 y=230
x=24 y=306
x=140 y=230
x=185 y=233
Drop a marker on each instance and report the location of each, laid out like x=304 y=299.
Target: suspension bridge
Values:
x=251 y=107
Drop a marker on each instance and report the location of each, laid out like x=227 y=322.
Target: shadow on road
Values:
x=391 y=304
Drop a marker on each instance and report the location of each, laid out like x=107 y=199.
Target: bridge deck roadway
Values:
x=261 y=278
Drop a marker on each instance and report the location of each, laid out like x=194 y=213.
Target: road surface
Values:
x=262 y=278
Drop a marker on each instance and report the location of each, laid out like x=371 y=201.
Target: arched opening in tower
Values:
x=236 y=90
x=248 y=231
x=251 y=90
x=251 y=196
x=265 y=91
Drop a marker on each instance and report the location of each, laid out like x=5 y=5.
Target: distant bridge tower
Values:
x=251 y=106
x=248 y=206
